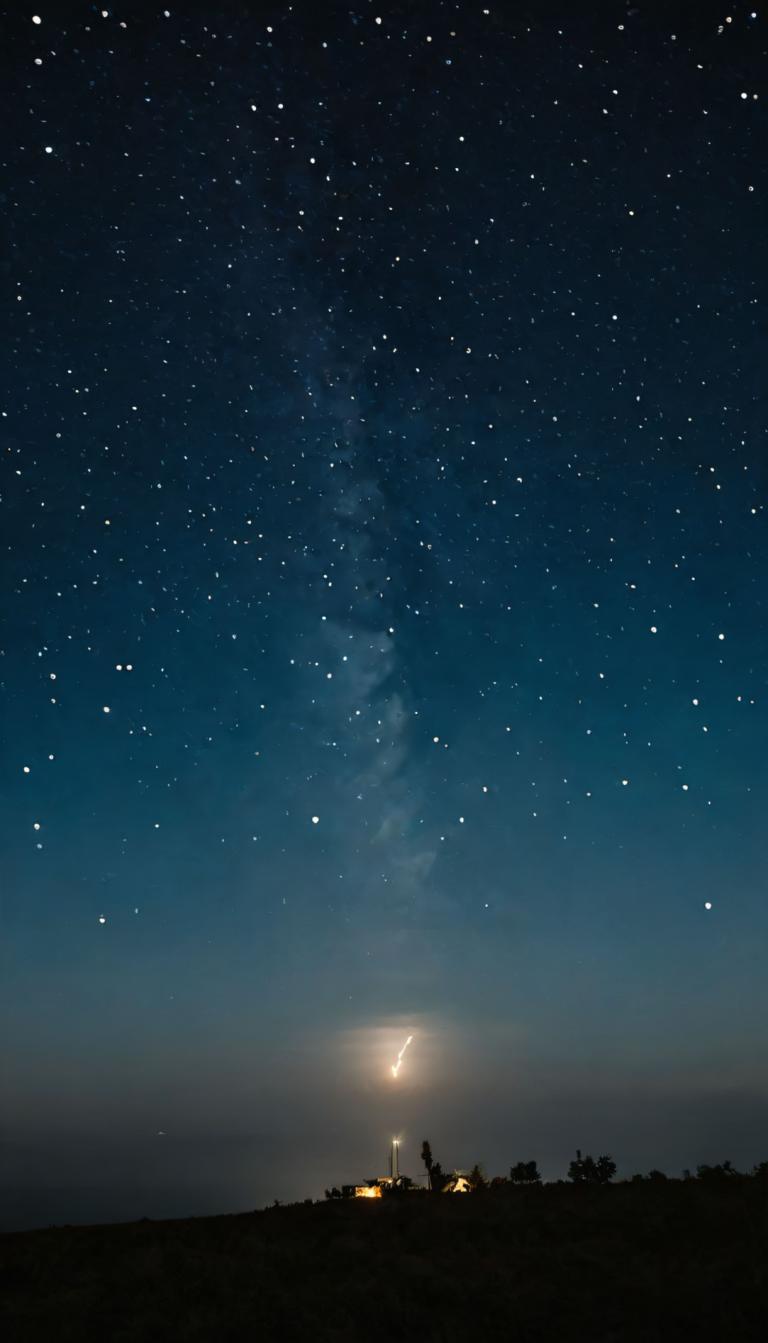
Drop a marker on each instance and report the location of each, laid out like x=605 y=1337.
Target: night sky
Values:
x=385 y=563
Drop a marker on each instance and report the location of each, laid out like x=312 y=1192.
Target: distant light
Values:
x=654 y=629
x=707 y=904
x=721 y=636
x=106 y=708
x=102 y=918
x=36 y=18
x=315 y=820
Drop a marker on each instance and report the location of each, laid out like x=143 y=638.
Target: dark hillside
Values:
x=634 y=1262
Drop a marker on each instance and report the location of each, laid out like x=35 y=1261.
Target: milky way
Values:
x=385 y=570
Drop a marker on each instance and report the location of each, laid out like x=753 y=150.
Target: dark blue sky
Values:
x=384 y=443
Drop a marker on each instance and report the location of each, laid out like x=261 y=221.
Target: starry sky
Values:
x=385 y=561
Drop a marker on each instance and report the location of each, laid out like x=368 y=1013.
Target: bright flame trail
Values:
x=396 y=1066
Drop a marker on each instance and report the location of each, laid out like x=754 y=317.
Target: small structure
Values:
x=384 y=1184
x=457 y=1184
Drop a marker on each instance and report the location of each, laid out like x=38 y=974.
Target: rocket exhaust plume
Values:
x=396 y=1066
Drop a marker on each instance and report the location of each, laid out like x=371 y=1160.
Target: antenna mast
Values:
x=394 y=1159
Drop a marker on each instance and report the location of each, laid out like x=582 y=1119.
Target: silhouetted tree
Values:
x=525 y=1172
x=585 y=1170
x=656 y=1176
x=579 y=1170
x=426 y=1156
x=605 y=1169
x=333 y=1193
x=760 y=1171
x=498 y=1182
x=477 y=1179
x=436 y=1178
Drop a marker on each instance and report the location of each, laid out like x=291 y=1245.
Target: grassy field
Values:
x=630 y=1263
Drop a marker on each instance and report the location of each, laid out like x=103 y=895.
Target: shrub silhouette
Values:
x=477 y=1179
x=715 y=1174
x=525 y=1172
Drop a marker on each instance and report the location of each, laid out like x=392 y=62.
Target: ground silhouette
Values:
x=636 y=1262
